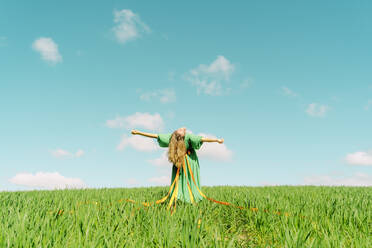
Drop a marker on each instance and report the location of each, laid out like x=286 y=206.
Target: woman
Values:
x=185 y=183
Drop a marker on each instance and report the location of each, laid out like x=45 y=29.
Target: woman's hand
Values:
x=220 y=141
x=134 y=132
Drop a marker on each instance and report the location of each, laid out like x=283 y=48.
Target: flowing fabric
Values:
x=185 y=182
x=187 y=190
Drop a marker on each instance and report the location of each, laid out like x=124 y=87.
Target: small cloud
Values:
x=162 y=180
x=368 y=105
x=162 y=161
x=138 y=143
x=60 y=153
x=358 y=179
x=47 y=180
x=48 y=50
x=288 y=92
x=317 y=110
x=79 y=153
x=214 y=151
x=145 y=120
x=162 y=95
x=162 y=165
x=208 y=78
x=359 y=158
x=128 y=26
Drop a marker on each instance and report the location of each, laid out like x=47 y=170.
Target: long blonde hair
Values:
x=177 y=149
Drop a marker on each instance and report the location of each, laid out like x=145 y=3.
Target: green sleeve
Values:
x=195 y=141
x=163 y=139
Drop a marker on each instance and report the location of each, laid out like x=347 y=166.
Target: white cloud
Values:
x=163 y=95
x=208 y=78
x=369 y=104
x=163 y=166
x=137 y=142
x=359 y=158
x=79 y=153
x=288 y=92
x=48 y=50
x=60 y=153
x=161 y=161
x=162 y=180
x=214 y=151
x=317 y=110
x=128 y=26
x=358 y=179
x=47 y=180
x=145 y=120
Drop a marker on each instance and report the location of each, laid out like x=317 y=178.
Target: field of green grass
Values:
x=286 y=216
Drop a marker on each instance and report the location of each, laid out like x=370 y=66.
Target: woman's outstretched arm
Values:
x=212 y=140
x=151 y=135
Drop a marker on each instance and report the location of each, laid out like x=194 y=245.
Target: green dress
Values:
x=192 y=142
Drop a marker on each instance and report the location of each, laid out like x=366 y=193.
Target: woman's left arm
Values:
x=150 y=135
x=212 y=140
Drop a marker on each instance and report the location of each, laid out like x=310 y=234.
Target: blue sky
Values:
x=287 y=84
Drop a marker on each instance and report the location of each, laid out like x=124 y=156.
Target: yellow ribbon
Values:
x=188 y=185
x=175 y=185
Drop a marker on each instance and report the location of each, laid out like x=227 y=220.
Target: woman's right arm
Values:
x=151 y=135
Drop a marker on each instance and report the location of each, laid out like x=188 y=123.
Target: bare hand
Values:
x=220 y=141
x=134 y=131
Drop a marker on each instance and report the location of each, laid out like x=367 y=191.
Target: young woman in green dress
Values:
x=185 y=181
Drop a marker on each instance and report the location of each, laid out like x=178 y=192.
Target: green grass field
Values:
x=287 y=216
